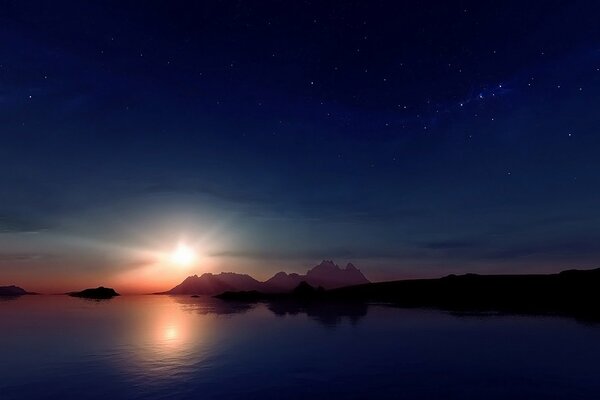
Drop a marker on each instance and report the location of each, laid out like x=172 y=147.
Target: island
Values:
x=97 y=293
x=12 y=291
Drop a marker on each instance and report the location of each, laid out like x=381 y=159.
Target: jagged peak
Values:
x=324 y=266
x=327 y=263
x=326 y=274
x=351 y=267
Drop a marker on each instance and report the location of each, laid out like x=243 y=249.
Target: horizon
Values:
x=137 y=291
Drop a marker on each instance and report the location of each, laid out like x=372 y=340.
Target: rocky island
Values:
x=12 y=291
x=97 y=293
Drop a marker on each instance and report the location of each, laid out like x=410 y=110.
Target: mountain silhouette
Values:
x=283 y=282
x=12 y=291
x=327 y=275
x=210 y=284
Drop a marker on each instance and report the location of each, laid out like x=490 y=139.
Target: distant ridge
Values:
x=212 y=284
x=327 y=275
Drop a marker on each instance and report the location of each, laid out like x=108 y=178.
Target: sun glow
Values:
x=183 y=255
x=171 y=333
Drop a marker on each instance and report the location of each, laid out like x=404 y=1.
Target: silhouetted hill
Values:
x=282 y=282
x=97 y=293
x=211 y=284
x=12 y=291
x=572 y=292
x=327 y=275
x=244 y=281
x=330 y=276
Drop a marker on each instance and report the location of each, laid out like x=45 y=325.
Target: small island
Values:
x=97 y=293
x=12 y=291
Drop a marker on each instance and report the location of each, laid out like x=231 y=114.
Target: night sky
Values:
x=414 y=139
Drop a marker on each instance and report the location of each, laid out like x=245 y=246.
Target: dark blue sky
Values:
x=413 y=139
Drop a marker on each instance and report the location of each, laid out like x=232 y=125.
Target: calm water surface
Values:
x=158 y=347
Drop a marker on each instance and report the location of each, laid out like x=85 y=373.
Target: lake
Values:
x=160 y=347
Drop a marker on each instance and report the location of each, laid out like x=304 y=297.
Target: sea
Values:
x=182 y=347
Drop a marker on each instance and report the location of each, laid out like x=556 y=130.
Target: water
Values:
x=159 y=347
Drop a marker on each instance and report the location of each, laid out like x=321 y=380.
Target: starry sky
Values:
x=414 y=139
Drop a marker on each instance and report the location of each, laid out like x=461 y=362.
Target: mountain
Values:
x=212 y=284
x=283 y=282
x=327 y=275
x=330 y=276
x=242 y=281
x=12 y=291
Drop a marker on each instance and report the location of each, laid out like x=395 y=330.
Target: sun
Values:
x=183 y=255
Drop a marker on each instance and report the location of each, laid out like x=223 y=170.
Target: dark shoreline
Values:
x=573 y=293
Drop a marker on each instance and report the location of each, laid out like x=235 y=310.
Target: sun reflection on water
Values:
x=171 y=333
x=165 y=338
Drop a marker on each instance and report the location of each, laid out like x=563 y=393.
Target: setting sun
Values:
x=183 y=255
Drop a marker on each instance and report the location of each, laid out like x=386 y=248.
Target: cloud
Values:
x=24 y=256
x=10 y=224
x=314 y=254
x=550 y=249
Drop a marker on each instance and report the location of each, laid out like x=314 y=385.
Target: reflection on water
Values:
x=209 y=305
x=9 y=298
x=328 y=314
x=149 y=347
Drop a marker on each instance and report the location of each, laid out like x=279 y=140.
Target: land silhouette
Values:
x=327 y=275
x=13 y=291
x=95 y=293
x=572 y=292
